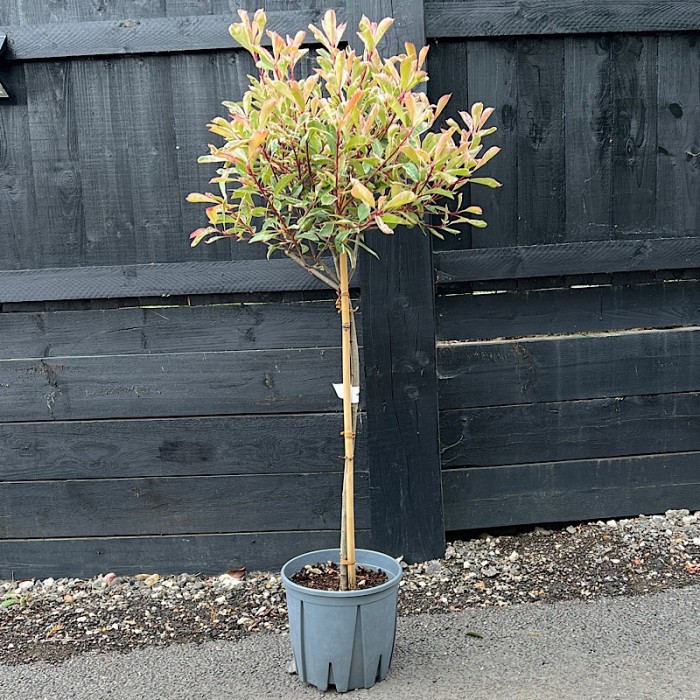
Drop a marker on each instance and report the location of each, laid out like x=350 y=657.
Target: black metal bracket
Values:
x=3 y=45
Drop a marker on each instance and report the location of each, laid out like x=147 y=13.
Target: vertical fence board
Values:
x=17 y=201
x=634 y=137
x=58 y=224
x=451 y=79
x=588 y=154
x=493 y=80
x=109 y=216
x=142 y=89
x=207 y=79
x=541 y=137
x=400 y=373
x=678 y=181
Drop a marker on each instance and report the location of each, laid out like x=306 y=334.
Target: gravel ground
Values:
x=52 y=620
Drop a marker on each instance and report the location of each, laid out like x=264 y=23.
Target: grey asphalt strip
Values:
x=640 y=648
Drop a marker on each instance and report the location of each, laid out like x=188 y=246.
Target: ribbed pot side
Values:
x=342 y=638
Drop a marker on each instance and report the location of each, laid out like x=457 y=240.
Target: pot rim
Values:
x=391 y=583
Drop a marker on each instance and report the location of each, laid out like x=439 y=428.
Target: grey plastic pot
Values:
x=343 y=638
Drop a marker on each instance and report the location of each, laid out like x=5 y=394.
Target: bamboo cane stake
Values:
x=348 y=561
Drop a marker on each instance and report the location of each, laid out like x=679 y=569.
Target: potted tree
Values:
x=309 y=165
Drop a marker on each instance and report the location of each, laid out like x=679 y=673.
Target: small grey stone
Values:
x=434 y=567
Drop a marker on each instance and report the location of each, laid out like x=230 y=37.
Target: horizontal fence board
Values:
x=569 y=368
x=589 y=257
x=155 y=280
x=205 y=554
x=175 y=505
x=570 y=491
x=552 y=432
x=140 y=36
x=543 y=17
x=169 y=329
x=569 y=310
x=173 y=447
x=170 y=385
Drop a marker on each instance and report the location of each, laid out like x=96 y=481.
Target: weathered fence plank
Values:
x=205 y=554
x=109 y=222
x=145 y=95
x=210 y=79
x=588 y=146
x=541 y=142
x=401 y=404
x=47 y=450
x=173 y=384
x=568 y=310
x=174 y=505
x=588 y=257
x=444 y=19
x=155 y=280
x=58 y=188
x=568 y=368
x=570 y=430
x=452 y=80
x=500 y=206
x=570 y=491
x=678 y=114
x=169 y=329
x=141 y=36
x=634 y=148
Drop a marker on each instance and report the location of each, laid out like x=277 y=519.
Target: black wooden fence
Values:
x=169 y=409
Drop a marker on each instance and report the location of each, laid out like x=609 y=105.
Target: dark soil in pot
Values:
x=326 y=577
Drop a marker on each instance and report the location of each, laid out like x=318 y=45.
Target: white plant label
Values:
x=354 y=392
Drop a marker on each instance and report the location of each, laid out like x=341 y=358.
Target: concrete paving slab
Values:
x=641 y=648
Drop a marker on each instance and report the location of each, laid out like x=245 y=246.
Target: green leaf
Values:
x=8 y=602
x=382 y=226
x=488 y=181
x=262 y=236
x=362 y=211
x=210 y=159
x=198 y=197
x=401 y=199
x=308 y=236
x=359 y=191
x=393 y=219
x=361 y=243
x=284 y=182
x=264 y=63
x=412 y=171
x=327 y=230
x=197 y=236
